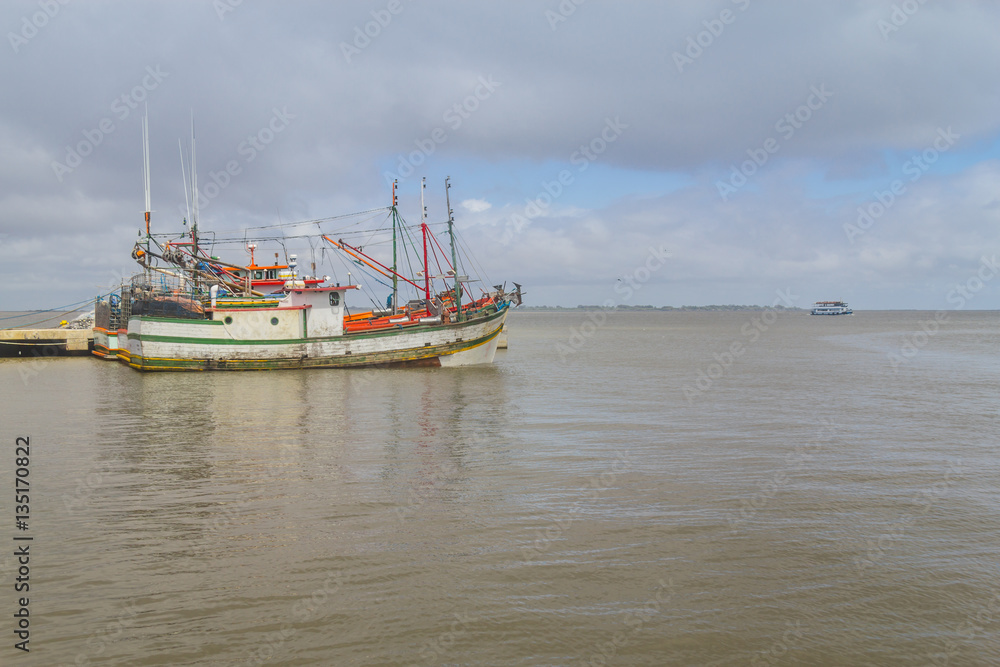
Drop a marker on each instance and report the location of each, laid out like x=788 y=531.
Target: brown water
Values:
x=571 y=505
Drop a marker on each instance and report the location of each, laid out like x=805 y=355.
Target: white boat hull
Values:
x=105 y=343
x=156 y=343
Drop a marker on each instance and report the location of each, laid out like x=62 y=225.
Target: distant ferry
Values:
x=831 y=308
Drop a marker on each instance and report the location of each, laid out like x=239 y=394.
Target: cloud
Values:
x=415 y=95
x=476 y=205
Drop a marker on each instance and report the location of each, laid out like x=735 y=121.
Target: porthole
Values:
x=274 y=320
x=228 y=320
x=334 y=298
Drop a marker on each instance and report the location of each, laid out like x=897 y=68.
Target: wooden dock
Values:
x=45 y=342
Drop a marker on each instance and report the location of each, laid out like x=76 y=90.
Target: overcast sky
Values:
x=838 y=150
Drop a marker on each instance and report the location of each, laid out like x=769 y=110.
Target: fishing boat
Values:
x=189 y=310
x=502 y=338
x=831 y=308
x=107 y=321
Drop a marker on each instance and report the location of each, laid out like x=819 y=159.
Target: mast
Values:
x=454 y=255
x=145 y=175
x=194 y=201
x=184 y=181
x=194 y=191
x=395 y=280
x=369 y=261
x=423 y=228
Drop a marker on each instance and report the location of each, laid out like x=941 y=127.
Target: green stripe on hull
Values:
x=413 y=356
x=104 y=351
x=152 y=318
x=221 y=306
x=293 y=341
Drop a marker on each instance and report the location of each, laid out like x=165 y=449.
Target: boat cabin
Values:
x=270 y=279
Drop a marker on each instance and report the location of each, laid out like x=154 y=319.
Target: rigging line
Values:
x=342 y=261
x=262 y=239
x=406 y=256
x=354 y=224
x=342 y=230
x=370 y=237
x=325 y=258
x=318 y=220
x=413 y=246
x=364 y=287
x=443 y=253
x=371 y=276
x=367 y=260
x=59 y=308
x=371 y=297
x=308 y=237
x=47 y=319
x=243 y=233
x=366 y=291
x=376 y=230
x=458 y=253
x=347 y=268
x=312 y=256
x=472 y=260
x=436 y=261
x=242 y=238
